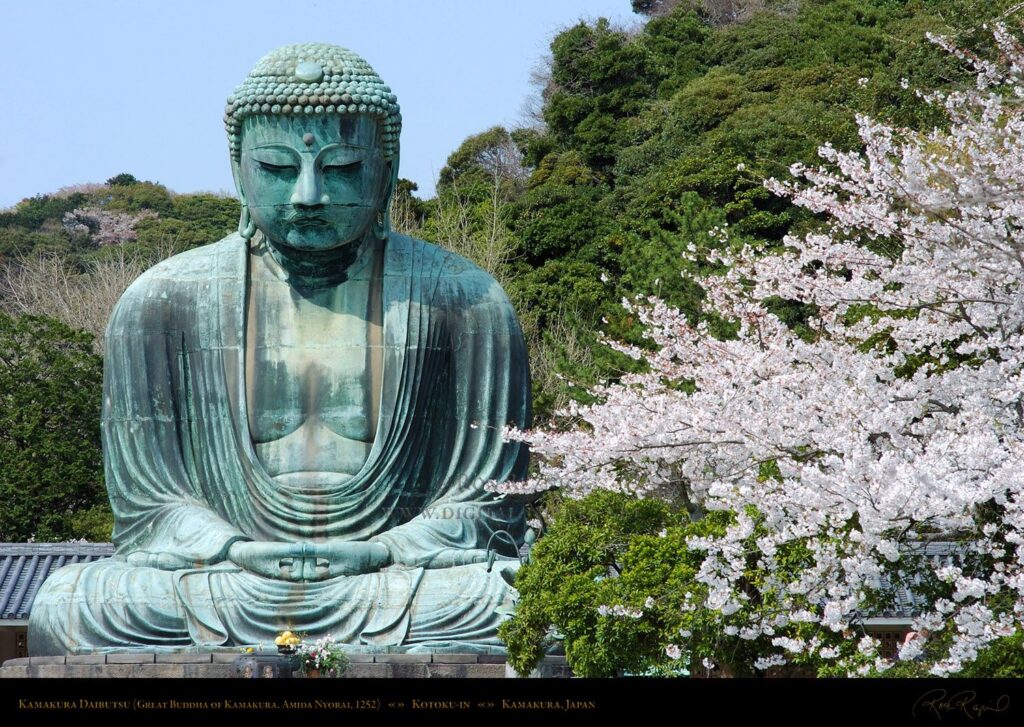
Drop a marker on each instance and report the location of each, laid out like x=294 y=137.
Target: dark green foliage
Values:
x=1002 y=659
x=472 y=164
x=588 y=559
x=654 y=136
x=16 y=242
x=181 y=221
x=559 y=216
x=674 y=46
x=51 y=466
x=192 y=220
x=480 y=178
x=600 y=76
x=211 y=213
x=35 y=212
x=138 y=197
x=660 y=246
x=122 y=180
x=646 y=7
x=95 y=524
x=611 y=550
x=174 y=234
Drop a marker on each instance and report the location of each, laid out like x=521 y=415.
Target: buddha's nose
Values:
x=309 y=191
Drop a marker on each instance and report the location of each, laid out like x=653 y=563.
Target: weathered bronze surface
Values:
x=299 y=420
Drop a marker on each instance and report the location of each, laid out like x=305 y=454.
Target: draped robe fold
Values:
x=185 y=481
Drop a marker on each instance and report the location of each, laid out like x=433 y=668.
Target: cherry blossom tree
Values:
x=892 y=419
x=106 y=227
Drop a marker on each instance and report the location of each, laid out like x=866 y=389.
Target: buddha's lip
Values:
x=307 y=220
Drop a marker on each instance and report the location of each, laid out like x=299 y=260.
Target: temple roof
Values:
x=906 y=602
x=24 y=566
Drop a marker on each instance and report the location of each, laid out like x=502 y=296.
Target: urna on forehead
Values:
x=313 y=79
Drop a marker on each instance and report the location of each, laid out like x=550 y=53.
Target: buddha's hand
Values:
x=280 y=561
x=349 y=558
x=309 y=561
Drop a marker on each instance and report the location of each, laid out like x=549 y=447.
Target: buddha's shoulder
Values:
x=454 y=273
x=200 y=263
x=178 y=280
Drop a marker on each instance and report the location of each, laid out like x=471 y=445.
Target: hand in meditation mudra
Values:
x=299 y=420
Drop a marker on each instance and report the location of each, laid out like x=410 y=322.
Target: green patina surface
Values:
x=299 y=420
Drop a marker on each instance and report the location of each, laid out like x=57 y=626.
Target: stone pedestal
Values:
x=222 y=664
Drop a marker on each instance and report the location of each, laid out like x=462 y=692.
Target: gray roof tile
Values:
x=24 y=566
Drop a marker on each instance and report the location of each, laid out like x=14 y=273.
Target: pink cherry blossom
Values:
x=899 y=420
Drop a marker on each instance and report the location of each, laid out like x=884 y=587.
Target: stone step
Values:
x=232 y=664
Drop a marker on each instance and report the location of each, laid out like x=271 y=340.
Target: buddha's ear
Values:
x=382 y=226
x=246 y=227
x=236 y=174
x=392 y=180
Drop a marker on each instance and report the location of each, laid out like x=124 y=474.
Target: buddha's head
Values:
x=314 y=148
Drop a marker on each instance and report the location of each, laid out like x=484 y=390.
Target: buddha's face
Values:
x=313 y=182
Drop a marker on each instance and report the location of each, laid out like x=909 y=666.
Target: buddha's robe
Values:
x=185 y=481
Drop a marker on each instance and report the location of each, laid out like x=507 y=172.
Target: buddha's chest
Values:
x=312 y=364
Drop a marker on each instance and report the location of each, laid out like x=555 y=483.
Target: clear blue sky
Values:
x=91 y=89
